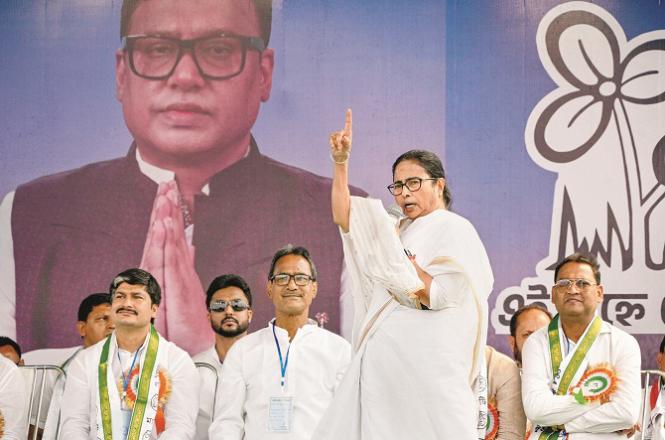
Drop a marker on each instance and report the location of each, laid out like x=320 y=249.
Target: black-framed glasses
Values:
x=567 y=283
x=237 y=305
x=413 y=184
x=221 y=56
x=283 y=279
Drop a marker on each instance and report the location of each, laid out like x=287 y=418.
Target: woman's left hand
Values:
x=423 y=295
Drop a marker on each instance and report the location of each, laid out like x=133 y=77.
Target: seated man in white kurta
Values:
x=134 y=384
x=277 y=382
x=13 y=402
x=580 y=375
x=229 y=303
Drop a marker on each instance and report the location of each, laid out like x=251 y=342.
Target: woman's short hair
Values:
x=432 y=165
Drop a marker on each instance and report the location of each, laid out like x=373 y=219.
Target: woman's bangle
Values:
x=345 y=158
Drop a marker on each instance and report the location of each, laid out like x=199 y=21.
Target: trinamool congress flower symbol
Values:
x=596 y=88
x=609 y=97
x=601 y=130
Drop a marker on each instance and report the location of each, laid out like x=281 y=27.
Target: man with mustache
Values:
x=278 y=381
x=134 y=384
x=229 y=302
x=580 y=375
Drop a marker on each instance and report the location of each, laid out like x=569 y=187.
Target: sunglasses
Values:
x=237 y=305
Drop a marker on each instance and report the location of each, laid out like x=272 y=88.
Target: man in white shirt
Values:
x=135 y=384
x=94 y=324
x=13 y=402
x=229 y=302
x=580 y=375
x=278 y=381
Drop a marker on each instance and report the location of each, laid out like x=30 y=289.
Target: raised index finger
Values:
x=348 y=124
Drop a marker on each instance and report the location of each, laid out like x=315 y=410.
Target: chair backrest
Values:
x=40 y=381
x=213 y=371
x=645 y=416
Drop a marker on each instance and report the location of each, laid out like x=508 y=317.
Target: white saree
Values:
x=414 y=371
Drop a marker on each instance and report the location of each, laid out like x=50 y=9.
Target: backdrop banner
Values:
x=548 y=116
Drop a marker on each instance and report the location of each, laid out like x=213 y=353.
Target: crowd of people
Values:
x=407 y=286
x=572 y=376
x=417 y=365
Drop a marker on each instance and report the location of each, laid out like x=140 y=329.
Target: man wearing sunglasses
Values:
x=182 y=204
x=278 y=381
x=580 y=375
x=229 y=302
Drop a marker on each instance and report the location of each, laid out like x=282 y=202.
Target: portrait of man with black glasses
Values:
x=192 y=198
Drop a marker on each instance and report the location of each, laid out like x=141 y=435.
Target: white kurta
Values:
x=207 y=395
x=79 y=415
x=591 y=421
x=251 y=376
x=414 y=370
x=13 y=401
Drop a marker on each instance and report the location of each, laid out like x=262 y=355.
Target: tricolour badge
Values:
x=163 y=394
x=492 y=428
x=597 y=383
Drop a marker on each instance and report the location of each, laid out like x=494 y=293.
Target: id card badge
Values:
x=126 y=421
x=280 y=414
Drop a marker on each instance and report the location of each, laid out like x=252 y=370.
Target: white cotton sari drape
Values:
x=414 y=372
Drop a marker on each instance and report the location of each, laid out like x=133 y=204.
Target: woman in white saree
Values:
x=418 y=372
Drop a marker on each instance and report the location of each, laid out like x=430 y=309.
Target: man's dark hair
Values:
x=263 y=12
x=579 y=257
x=5 y=340
x=515 y=317
x=228 y=280
x=662 y=345
x=432 y=165
x=138 y=277
x=90 y=302
x=289 y=249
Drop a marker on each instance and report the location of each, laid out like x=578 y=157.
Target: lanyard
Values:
x=125 y=380
x=282 y=364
